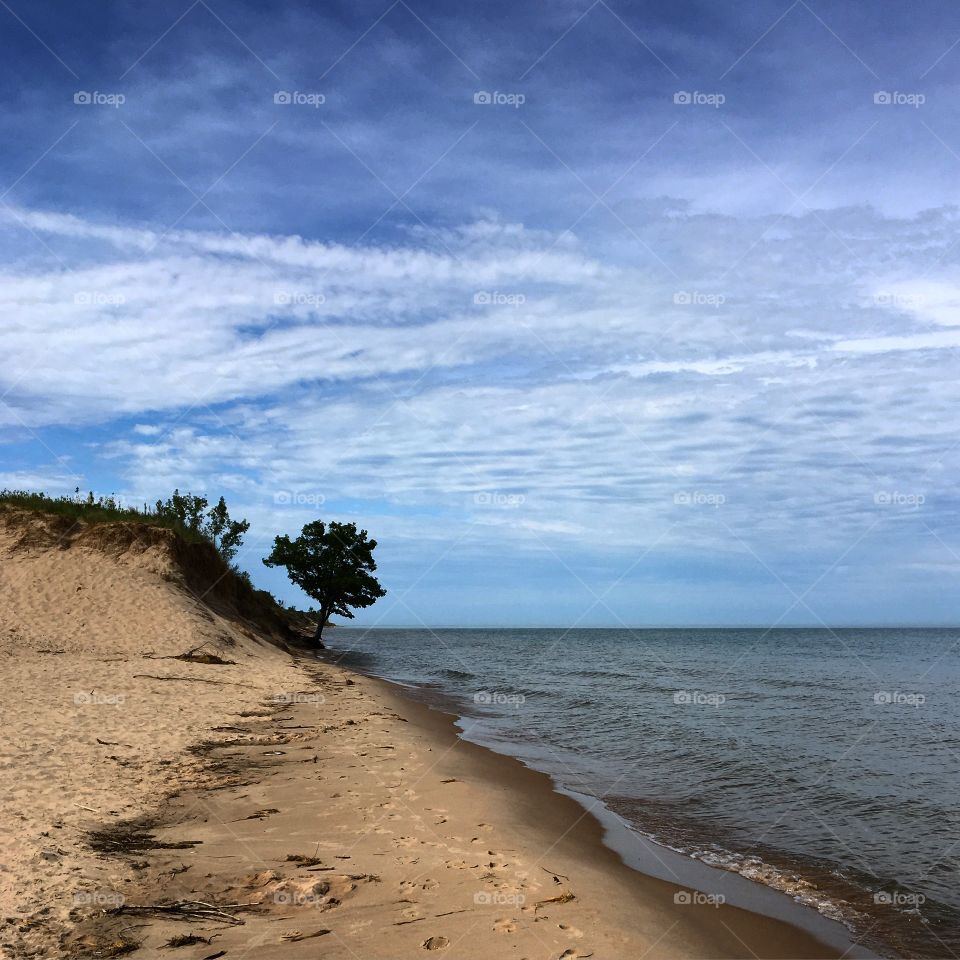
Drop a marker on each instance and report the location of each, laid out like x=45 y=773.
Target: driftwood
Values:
x=186 y=940
x=258 y=814
x=222 y=683
x=194 y=656
x=297 y=936
x=212 y=658
x=564 y=897
x=191 y=910
x=302 y=860
x=126 y=840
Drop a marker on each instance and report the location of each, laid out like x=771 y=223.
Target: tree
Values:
x=226 y=534
x=332 y=563
x=185 y=509
x=215 y=525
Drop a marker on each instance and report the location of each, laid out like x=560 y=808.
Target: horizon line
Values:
x=736 y=626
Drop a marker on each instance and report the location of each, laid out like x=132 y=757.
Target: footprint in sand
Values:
x=570 y=931
x=435 y=943
x=407 y=885
x=506 y=925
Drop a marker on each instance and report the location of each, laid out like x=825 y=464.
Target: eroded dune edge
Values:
x=273 y=805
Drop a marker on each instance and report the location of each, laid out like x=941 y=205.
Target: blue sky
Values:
x=591 y=313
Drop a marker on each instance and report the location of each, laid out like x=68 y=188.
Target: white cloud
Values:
x=614 y=413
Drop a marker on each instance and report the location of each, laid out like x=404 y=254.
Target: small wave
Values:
x=802 y=890
x=452 y=674
x=606 y=674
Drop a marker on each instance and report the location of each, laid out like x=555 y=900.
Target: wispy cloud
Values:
x=495 y=289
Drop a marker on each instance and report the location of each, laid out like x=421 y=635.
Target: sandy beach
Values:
x=276 y=805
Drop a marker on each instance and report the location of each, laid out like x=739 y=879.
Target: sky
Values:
x=592 y=314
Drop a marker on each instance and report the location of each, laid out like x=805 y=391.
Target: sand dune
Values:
x=85 y=620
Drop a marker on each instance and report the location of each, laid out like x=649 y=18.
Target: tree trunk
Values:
x=321 y=622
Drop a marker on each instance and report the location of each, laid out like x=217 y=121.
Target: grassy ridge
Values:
x=96 y=510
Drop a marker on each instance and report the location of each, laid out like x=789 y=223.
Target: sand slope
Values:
x=83 y=619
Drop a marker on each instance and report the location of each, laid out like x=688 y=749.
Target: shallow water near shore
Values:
x=822 y=763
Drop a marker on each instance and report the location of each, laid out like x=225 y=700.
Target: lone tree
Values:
x=332 y=563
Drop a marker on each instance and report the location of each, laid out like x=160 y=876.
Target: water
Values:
x=824 y=763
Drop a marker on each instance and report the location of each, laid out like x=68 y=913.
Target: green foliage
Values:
x=184 y=513
x=92 y=509
x=185 y=510
x=333 y=564
x=226 y=534
x=215 y=525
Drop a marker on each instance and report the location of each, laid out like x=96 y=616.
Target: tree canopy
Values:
x=190 y=512
x=332 y=563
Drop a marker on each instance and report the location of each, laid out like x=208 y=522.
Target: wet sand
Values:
x=414 y=840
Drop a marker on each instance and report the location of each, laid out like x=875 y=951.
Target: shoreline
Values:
x=598 y=824
x=404 y=837
x=747 y=796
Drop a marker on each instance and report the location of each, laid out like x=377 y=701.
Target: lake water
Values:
x=824 y=763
